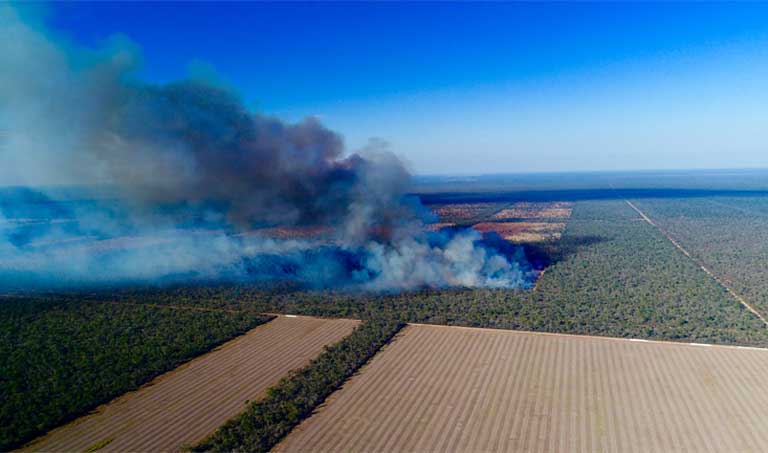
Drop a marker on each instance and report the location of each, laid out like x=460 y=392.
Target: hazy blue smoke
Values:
x=169 y=177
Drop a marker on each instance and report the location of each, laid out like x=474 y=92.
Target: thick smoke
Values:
x=175 y=182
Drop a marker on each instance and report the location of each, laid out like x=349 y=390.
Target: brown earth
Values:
x=462 y=389
x=527 y=210
x=185 y=405
x=462 y=211
x=523 y=231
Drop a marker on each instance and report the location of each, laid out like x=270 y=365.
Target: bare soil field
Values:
x=185 y=405
x=527 y=232
x=438 y=388
x=463 y=211
x=527 y=210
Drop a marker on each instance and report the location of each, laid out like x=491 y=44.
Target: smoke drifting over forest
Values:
x=175 y=181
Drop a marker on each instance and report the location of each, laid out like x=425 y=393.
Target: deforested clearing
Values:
x=438 y=388
x=523 y=231
x=185 y=405
x=458 y=212
x=527 y=210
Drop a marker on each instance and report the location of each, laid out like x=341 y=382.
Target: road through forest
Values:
x=699 y=263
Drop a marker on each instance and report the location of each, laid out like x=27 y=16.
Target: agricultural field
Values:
x=727 y=234
x=62 y=359
x=185 y=405
x=265 y=422
x=440 y=388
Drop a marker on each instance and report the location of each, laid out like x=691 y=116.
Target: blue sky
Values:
x=478 y=88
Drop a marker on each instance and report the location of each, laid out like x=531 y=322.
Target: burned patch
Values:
x=527 y=210
x=523 y=232
x=463 y=212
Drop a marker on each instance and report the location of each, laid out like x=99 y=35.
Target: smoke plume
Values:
x=120 y=181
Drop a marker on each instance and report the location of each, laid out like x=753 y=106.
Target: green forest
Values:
x=614 y=275
x=727 y=234
x=61 y=359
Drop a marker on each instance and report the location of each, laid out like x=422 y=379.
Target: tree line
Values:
x=265 y=422
x=62 y=358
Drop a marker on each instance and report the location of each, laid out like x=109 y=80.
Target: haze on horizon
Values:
x=471 y=89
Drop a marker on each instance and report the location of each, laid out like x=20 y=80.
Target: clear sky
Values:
x=478 y=88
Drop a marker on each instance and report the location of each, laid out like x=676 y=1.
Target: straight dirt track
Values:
x=462 y=389
x=185 y=405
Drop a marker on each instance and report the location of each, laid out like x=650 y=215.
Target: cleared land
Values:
x=462 y=389
x=523 y=231
x=527 y=210
x=460 y=212
x=183 y=406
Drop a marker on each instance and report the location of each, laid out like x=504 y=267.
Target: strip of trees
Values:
x=293 y=399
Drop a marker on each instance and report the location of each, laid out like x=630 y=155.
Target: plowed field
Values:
x=183 y=406
x=463 y=389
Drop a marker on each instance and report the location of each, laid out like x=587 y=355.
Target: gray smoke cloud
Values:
x=179 y=175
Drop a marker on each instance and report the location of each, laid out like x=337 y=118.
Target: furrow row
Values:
x=458 y=389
